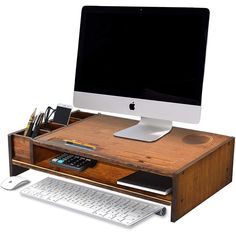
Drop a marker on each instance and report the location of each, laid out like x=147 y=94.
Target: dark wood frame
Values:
x=192 y=182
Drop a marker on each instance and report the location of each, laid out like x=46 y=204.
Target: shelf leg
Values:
x=201 y=180
x=13 y=169
x=16 y=170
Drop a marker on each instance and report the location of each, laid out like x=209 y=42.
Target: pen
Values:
x=29 y=126
x=37 y=125
x=79 y=144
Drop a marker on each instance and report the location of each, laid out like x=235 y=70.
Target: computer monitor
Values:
x=142 y=61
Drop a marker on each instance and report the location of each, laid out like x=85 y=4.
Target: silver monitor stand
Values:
x=147 y=130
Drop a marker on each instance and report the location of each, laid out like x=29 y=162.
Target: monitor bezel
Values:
x=145 y=108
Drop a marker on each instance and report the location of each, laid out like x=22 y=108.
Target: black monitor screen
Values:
x=148 y=53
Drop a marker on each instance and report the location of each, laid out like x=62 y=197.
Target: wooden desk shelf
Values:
x=199 y=163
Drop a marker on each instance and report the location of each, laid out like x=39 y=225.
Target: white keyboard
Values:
x=114 y=207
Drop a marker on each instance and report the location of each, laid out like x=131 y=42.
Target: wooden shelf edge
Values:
x=96 y=183
x=227 y=141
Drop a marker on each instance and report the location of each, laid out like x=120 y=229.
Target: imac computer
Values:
x=142 y=61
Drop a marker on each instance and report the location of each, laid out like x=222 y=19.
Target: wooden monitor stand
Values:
x=199 y=163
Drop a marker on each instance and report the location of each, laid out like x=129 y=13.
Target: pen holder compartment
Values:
x=75 y=116
x=20 y=145
x=50 y=126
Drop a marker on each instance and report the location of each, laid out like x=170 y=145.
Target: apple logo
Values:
x=132 y=106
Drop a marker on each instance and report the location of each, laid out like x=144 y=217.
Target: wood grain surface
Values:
x=202 y=180
x=167 y=156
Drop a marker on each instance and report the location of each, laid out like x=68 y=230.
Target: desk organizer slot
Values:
x=73 y=119
x=51 y=126
x=20 y=144
x=75 y=116
x=81 y=115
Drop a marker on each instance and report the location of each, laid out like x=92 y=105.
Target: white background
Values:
x=38 y=47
